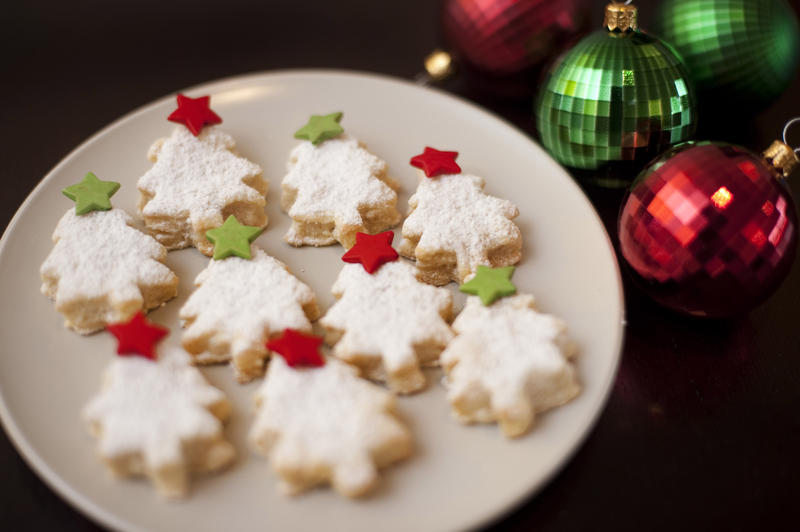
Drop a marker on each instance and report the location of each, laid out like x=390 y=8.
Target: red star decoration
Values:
x=372 y=250
x=137 y=336
x=299 y=349
x=434 y=162
x=194 y=113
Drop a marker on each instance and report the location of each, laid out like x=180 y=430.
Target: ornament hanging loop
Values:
x=780 y=155
x=789 y=124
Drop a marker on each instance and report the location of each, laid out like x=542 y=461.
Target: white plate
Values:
x=459 y=476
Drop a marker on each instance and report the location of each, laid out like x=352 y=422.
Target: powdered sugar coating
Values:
x=100 y=256
x=195 y=179
x=507 y=363
x=337 y=181
x=452 y=213
x=155 y=409
x=326 y=425
x=387 y=315
x=238 y=304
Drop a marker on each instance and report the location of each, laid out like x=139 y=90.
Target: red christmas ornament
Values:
x=372 y=250
x=434 y=162
x=504 y=37
x=299 y=349
x=708 y=229
x=137 y=336
x=194 y=113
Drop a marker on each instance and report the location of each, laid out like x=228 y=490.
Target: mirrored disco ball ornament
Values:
x=708 y=228
x=619 y=95
x=737 y=51
x=504 y=37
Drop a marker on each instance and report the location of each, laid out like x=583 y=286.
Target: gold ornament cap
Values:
x=439 y=65
x=621 y=17
x=781 y=157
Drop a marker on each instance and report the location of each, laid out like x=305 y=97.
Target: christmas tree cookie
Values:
x=159 y=419
x=103 y=270
x=335 y=188
x=507 y=363
x=324 y=424
x=385 y=321
x=198 y=180
x=454 y=226
x=238 y=305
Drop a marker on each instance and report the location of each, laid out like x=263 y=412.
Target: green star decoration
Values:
x=490 y=284
x=232 y=238
x=91 y=194
x=320 y=128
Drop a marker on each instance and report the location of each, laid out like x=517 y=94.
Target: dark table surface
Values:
x=702 y=428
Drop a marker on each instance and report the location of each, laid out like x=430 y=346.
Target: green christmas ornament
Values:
x=618 y=95
x=739 y=51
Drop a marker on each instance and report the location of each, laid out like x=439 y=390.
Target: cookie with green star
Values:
x=320 y=128
x=507 y=363
x=232 y=238
x=490 y=284
x=91 y=194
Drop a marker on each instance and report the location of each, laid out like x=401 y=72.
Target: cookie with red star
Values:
x=388 y=323
x=325 y=425
x=198 y=181
x=454 y=226
x=159 y=419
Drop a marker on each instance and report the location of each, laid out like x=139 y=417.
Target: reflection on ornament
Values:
x=708 y=229
x=721 y=198
x=618 y=95
x=736 y=51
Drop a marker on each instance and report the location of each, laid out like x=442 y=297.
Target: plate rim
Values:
x=100 y=515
